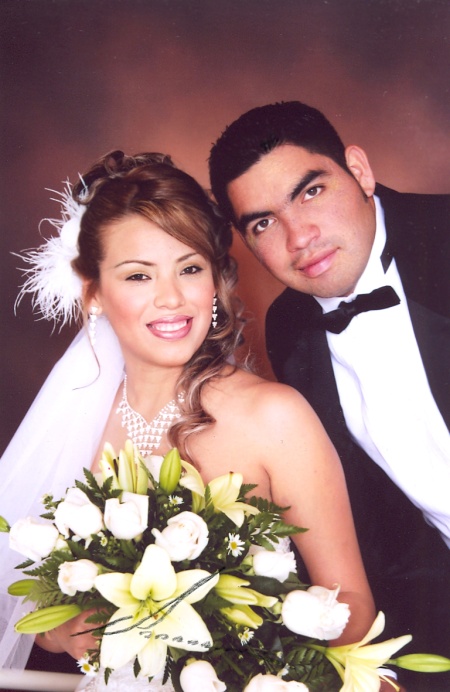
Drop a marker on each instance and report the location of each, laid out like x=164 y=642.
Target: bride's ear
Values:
x=91 y=302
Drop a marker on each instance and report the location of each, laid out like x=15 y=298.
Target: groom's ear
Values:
x=360 y=168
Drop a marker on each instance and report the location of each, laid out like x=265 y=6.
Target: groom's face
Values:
x=306 y=219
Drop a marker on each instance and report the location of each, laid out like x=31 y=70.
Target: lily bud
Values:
x=170 y=473
x=46 y=619
x=142 y=480
x=21 y=587
x=243 y=615
x=423 y=663
x=126 y=467
x=233 y=589
x=4 y=526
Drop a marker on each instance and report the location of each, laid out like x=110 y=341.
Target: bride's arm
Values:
x=306 y=474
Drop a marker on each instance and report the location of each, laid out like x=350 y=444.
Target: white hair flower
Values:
x=55 y=286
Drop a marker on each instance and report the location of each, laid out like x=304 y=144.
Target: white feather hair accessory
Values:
x=55 y=286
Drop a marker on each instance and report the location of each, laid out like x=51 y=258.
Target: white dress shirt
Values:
x=384 y=392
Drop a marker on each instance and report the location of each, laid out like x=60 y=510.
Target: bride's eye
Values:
x=138 y=277
x=192 y=269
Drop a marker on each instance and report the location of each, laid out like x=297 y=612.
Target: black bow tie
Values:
x=379 y=299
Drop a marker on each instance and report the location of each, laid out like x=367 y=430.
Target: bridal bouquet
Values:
x=195 y=583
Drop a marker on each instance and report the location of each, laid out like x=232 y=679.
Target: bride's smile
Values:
x=171 y=327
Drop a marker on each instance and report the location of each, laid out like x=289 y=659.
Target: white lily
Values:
x=127 y=469
x=107 y=465
x=193 y=481
x=154 y=612
x=224 y=492
x=357 y=663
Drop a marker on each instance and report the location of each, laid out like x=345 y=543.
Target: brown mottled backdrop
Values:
x=80 y=77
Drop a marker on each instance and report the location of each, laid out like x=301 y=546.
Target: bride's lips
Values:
x=317 y=265
x=171 y=328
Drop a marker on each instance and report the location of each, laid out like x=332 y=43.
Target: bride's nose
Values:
x=168 y=294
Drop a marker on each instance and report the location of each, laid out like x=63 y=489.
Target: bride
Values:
x=147 y=266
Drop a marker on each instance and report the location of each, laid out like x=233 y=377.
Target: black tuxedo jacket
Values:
x=404 y=557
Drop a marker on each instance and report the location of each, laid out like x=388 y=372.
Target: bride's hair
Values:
x=150 y=185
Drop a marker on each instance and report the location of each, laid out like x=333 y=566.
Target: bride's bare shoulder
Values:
x=243 y=393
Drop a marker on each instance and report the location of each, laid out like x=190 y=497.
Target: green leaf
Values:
x=48 y=515
x=167 y=669
x=245 y=489
x=25 y=565
x=136 y=667
x=264 y=542
x=266 y=585
x=92 y=481
x=129 y=550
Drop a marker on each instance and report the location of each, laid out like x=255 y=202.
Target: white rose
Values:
x=32 y=538
x=184 y=537
x=272 y=683
x=61 y=544
x=315 y=613
x=268 y=563
x=78 y=513
x=77 y=576
x=200 y=675
x=127 y=518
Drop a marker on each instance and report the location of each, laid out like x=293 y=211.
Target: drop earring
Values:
x=92 y=328
x=214 y=312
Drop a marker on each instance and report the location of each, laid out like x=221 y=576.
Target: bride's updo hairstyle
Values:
x=151 y=186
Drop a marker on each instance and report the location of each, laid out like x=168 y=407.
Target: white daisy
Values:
x=86 y=666
x=245 y=636
x=175 y=500
x=235 y=545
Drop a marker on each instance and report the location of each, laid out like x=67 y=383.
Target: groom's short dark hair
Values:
x=261 y=130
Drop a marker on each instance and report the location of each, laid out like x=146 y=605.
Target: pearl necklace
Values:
x=147 y=436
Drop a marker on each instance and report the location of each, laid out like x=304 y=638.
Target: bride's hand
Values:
x=61 y=638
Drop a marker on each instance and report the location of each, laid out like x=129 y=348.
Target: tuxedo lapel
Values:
x=324 y=395
x=302 y=359
x=418 y=237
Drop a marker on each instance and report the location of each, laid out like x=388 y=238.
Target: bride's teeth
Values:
x=170 y=326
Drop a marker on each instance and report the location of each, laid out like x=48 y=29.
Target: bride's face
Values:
x=156 y=292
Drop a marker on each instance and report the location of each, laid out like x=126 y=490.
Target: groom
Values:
x=375 y=368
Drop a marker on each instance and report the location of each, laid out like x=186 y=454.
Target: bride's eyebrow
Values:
x=146 y=263
x=134 y=261
x=188 y=256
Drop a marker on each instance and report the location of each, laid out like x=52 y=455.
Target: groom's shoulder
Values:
x=291 y=304
x=415 y=209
